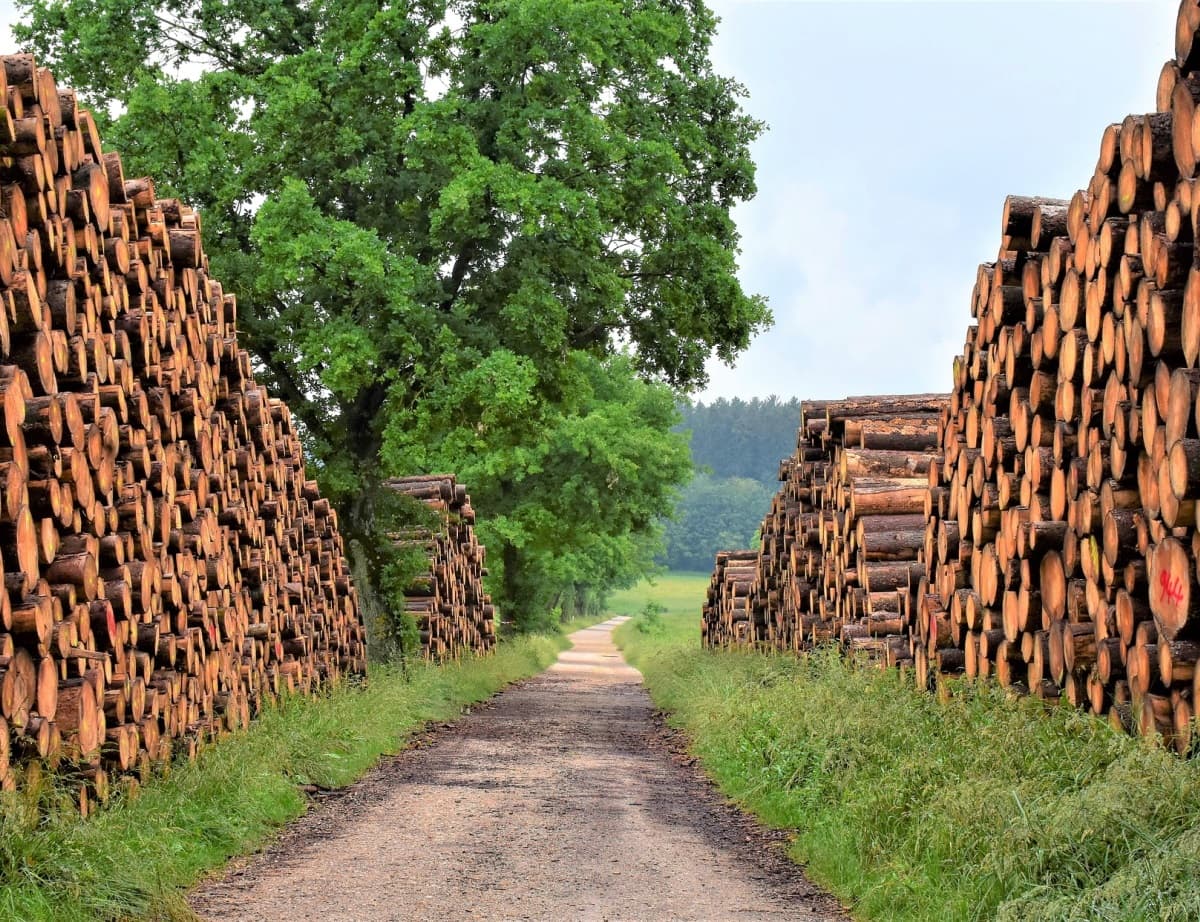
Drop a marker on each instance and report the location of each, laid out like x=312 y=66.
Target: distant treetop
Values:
x=742 y=438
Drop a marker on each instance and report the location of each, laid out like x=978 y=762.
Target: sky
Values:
x=896 y=131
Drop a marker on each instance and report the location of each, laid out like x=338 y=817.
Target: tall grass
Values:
x=133 y=859
x=914 y=809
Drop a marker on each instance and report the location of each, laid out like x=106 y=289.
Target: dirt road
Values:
x=559 y=800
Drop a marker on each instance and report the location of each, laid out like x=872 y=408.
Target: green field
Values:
x=910 y=808
x=679 y=593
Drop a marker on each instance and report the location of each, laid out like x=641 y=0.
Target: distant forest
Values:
x=736 y=447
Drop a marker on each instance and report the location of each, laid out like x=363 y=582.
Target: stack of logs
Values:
x=840 y=544
x=727 y=619
x=1061 y=546
x=453 y=613
x=1062 y=536
x=168 y=566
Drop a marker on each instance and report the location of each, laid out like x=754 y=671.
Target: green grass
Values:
x=133 y=859
x=913 y=809
x=678 y=593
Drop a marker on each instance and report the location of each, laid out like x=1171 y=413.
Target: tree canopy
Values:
x=487 y=235
x=714 y=514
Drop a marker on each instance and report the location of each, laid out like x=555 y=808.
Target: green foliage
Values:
x=714 y=514
x=446 y=222
x=573 y=491
x=134 y=858
x=399 y=634
x=738 y=445
x=742 y=438
x=650 y=620
x=912 y=809
x=389 y=544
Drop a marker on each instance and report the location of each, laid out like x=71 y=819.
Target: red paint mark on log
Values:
x=1171 y=587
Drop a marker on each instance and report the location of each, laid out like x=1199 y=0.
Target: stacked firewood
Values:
x=851 y=516
x=727 y=619
x=871 y=520
x=453 y=613
x=775 y=595
x=839 y=552
x=1060 y=545
x=168 y=566
x=1062 y=539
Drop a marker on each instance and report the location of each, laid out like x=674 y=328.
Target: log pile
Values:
x=453 y=613
x=168 y=566
x=727 y=619
x=841 y=541
x=1062 y=536
x=869 y=505
x=1060 y=544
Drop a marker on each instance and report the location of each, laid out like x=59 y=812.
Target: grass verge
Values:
x=912 y=809
x=134 y=859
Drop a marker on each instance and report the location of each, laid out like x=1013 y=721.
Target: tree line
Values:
x=736 y=448
x=741 y=438
x=487 y=236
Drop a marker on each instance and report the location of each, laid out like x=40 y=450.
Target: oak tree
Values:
x=465 y=233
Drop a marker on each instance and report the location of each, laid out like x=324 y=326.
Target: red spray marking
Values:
x=1172 y=587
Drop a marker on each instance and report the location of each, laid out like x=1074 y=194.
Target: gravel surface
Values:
x=563 y=798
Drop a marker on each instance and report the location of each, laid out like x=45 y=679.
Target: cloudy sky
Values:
x=896 y=130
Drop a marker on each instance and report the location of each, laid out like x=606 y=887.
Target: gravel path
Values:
x=564 y=798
